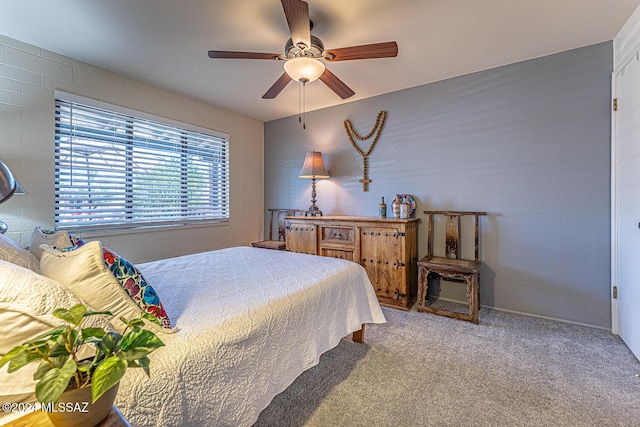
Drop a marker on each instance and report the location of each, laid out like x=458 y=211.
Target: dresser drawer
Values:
x=337 y=253
x=337 y=236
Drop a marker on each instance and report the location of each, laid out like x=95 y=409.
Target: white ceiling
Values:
x=165 y=42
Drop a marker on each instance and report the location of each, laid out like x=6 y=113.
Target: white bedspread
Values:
x=250 y=321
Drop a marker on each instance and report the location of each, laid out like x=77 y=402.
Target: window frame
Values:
x=222 y=185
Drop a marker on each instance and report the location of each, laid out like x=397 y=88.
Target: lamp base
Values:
x=313 y=211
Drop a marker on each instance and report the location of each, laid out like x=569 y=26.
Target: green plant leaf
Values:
x=99 y=353
x=43 y=368
x=25 y=357
x=74 y=315
x=150 y=317
x=37 y=345
x=85 y=365
x=66 y=343
x=54 y=382
x=143 y=362
x=109 y=343
x=88 y=333
x=96 y=313
x=106 y=375
x=138 y=343
x=11 y=354
x=136 y=324
x=59 y=361
x=58 y=350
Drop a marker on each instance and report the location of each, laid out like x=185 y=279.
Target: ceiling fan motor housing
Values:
x=314 y=51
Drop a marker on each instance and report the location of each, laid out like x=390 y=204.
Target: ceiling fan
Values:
x=303 y=54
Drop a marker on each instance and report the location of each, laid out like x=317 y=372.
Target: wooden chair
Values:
x=279 y=243
x=450 y=267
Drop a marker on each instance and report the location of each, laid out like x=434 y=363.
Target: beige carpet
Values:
x=425 y=370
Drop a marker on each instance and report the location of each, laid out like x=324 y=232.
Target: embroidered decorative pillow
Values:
x=14 y=253
x=83 y=269
x=55 y=239
x=132 y=281
x=52 y=238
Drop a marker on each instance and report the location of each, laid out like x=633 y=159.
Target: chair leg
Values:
x=473 y=292
x=478 y=288
x=423 y=286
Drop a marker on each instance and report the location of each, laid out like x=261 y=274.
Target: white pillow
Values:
x=83 y=271
x=56 y=239
x=27 y=300
x=12 y=252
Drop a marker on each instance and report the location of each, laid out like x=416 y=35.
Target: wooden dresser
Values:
x=386 y=248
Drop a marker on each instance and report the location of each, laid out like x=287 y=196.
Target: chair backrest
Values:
x=280 y=214
x=452 y=236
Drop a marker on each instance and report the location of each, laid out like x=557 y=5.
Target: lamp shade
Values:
x=8 y=184
x=313 y=166
x=304 y=69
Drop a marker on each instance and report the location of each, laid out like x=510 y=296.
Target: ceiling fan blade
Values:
x=227 y=54
x=336 y=85
x=367 y=51
x=277 y=87
x=297 y=13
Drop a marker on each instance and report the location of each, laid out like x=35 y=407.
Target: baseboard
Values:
x=588 y=325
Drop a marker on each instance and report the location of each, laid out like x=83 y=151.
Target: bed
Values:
x=249 y=321
x=243 y=322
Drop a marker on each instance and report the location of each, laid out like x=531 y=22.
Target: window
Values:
x=116 y=169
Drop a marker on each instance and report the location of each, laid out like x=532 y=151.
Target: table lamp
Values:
x=313 y=168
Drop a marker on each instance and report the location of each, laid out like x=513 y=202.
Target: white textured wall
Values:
x=28 y=77
x=529 y=143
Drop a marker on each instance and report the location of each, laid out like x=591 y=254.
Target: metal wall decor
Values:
x=377 y=128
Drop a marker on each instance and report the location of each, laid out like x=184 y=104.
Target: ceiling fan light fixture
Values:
x=304 y=69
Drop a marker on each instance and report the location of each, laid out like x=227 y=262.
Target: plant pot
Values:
x=74 y=408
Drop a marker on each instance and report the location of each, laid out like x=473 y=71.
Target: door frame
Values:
x=614 y=206
x=625 y=44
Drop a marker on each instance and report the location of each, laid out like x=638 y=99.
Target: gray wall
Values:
x=529 y=143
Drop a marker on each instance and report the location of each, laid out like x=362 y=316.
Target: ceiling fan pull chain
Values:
x=299 y=102
x=302 y=100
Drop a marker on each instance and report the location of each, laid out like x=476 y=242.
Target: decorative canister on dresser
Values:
x=407 y=206
x=405 y=209
x=395 y=206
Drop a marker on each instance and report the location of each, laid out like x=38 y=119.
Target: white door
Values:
x=627 y=203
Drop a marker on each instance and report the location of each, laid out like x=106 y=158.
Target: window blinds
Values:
x=116 y=170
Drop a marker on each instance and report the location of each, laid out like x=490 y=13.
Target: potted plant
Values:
x=62 y=372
